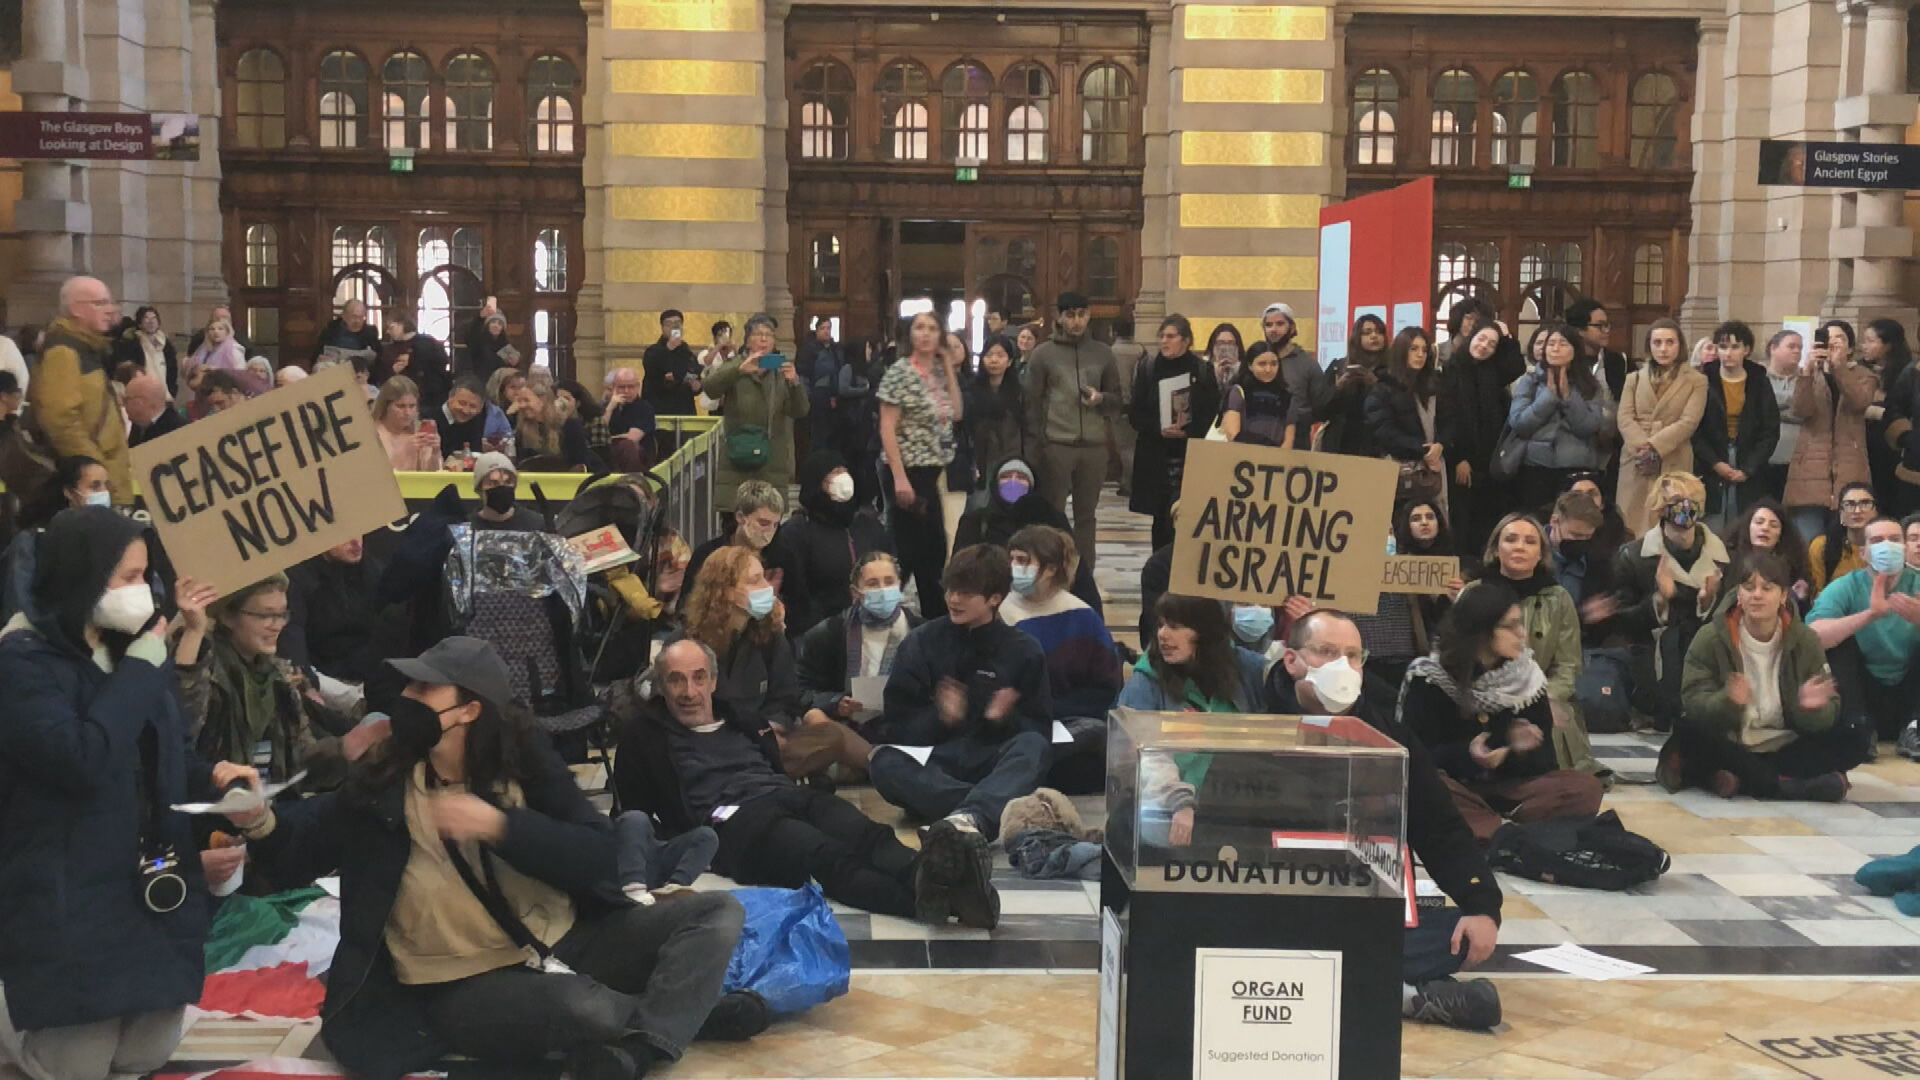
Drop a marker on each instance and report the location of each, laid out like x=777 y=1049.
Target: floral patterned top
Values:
x=925 y=430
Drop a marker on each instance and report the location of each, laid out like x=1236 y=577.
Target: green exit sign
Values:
x=1520 y=181
x=966 y=172
x=399 y=162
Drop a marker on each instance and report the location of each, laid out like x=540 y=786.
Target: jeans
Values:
x=1078 y=471
x=1866 y=703
x=648 y=972
x=965 y=775
x=1704 y=751
x=644 y=860
x=799 y=833
x=920 y=537
x=116 y=1047
x=1427 y=949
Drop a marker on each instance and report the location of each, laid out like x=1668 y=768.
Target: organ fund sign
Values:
x=1259 y=524
x=242 y=494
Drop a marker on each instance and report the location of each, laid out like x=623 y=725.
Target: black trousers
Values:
x=920 y=537
x=1704 y=751
x=799 y=833
x=1868 y=703
x=650 y=972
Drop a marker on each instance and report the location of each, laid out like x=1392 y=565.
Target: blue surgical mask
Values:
x=760 y=602
x=1391 y=544
x=1250 y=624
x=99 y=498
x=879 y=606
x=1886 y=556
x=1026 y=579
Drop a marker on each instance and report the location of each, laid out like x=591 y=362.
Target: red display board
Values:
x=1376 y=257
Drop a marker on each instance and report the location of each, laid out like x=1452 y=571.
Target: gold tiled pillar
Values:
x=1250 y=100
x=676 y=171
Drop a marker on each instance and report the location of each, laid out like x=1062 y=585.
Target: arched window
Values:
x=550 y=261
x=404 y=80
x=260 y=101
x=826 y=105
x=552 y=343
x=343 y=100
x=553 y=84
x=1027 y=90
x=449 y=260
x=1656 y=101
x=823 y=265
x=372 y=245
x=263 y=257
x=904 y=87
x=1106 y=115
x=1103 y=267
x=1456 y=98
x=1516 y=119
x=1549 y=282
x=1650 y=275
x=469 y=102
x=366 y=284
x=1576 y=120
x=1466 y=271
x=964 y=116
x=1376 y=107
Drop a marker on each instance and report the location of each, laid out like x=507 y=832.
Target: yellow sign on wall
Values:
x=1304 y=148
x=708 y=15
x=724 y=78
x=1255 y=22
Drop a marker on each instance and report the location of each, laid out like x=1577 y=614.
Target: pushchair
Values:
x=623 y=609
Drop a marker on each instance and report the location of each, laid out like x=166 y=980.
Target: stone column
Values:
x=1877 y=244
x=779 y=302
x=1158 y=265
x=47 y=80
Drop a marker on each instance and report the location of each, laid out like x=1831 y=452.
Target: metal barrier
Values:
x=688 y=476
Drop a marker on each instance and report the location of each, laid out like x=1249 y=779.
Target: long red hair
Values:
x=711 y=609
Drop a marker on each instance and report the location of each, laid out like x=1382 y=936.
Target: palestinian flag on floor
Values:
x=266 y=957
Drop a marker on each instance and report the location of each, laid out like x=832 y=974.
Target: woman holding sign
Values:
x=1174 y=400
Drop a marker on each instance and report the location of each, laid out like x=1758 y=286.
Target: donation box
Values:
x=1254 y=896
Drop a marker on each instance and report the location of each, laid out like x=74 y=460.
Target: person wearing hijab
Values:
x=1013 y=503
x=823 y=540
x=102 y=957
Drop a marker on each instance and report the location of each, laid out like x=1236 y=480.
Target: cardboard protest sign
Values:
x=244 y=493
x=1864 y=1050
x=1259 y=524
x=1421 y=575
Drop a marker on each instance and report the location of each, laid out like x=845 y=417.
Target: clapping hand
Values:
x=1482 y=756
x=1524 y=737
x=1817 y=692
x=1738 y=691
x=1002 y=703
x=192 y=598
x=467 y=817
x=950 y=698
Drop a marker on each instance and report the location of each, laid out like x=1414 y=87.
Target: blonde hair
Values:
x=391 y=391
x=1674 y=483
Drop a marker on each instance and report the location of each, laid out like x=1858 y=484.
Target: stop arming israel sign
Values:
x=242 y=494
x=1259 y=524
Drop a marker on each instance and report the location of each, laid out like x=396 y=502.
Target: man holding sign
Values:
x=252 y=490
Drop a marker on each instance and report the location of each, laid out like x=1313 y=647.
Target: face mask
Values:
x=1012 y=489
x=879 y=606
x=1336 y=683
x=499 y=500
x=757 y=537
x=1681 y=514
x=1252 y=623
x=1391 y=544
x=840 y=488
x=1026 y=579
x=1886 y=556
x=125 y=609
x=415 y=726
x=760 y=602
x=99 y=498
x=1574 y=550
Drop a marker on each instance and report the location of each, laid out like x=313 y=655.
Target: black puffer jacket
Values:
x=1393 y=418
x=1474 y=401
x=820 y=543
x=996 y=522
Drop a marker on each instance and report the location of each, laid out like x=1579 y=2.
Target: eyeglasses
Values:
x=278 y=618
x=1328 y=653
x=1857 y=504
x=1599 y=324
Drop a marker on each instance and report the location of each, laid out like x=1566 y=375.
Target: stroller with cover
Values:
x=624 y=604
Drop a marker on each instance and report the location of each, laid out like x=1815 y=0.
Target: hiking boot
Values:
x=955 y=862
x=736 y=1017
x=1724 y=784
x=1473 y=1005
x=1908 y=745
x=1827 y=787
x=606 y=1063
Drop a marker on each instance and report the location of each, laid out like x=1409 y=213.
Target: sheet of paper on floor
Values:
x=1585 y=963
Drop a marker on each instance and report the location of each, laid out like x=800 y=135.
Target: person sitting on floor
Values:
x=1192 y=663
x=1759 y=704
x=1013 y=503
x=758 y=508
x=478 y=914
x=1480 y=704
x=823 y=539
x=860 y=641
x=496 y=479
x=972 y=690
x=1083 y=667
x=1322 y=673
x=689 y=760
x=1869 y=623
x=334 y=624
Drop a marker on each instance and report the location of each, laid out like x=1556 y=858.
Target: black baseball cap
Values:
x=469 y=663
x=1070 y=301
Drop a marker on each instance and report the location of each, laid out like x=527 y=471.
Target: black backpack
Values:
x=1586 y=853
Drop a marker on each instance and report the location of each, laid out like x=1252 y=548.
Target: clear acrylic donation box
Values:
x=1255 y=891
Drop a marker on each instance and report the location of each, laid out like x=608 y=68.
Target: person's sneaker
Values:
x=1827 y=787
x=1908 y=745
x=931 y=899
x=1473 y=1005
x=736 y=1017
x=955 y=872
x=638 y=893
x=1724 y=784
x=606 y=1063
x=1670 y=773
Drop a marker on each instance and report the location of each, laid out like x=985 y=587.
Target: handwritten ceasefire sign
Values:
x=283 y=477
x=1259 y=525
